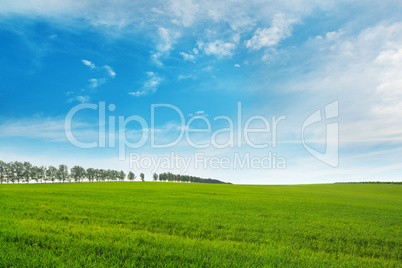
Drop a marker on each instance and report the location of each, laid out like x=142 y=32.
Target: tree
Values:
x=131 y=176
x=121 y=175
x=155 y=176
x=77 y=173
x=115 y=175
x=26 y=171
x=18 y=171
x=3 y=171
x=45 y=177
x=91 y=174
x=98 y=175
x=35 y=173
x=51 y=173
x=11 y=172
x=108 y=174
x=62 y=173
x=42 y=174
x=103 y=174
x=142 y=176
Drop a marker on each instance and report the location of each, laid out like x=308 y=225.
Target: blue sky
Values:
x=287 y=58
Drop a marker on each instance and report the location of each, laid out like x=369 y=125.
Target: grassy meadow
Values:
x=154 y=224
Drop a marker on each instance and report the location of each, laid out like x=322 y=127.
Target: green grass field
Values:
x=192 y=225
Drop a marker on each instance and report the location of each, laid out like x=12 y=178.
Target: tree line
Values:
x=26 y=172
x=186 y=178
x=12 y=172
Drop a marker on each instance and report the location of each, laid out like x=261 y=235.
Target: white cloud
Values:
x=88 y=63
x=83 y=99
x=218 y=47
x=125 y=15
x=334 y=34
x=102 y=71
x=268 y=37
x=94 y=82
x=138 y=93
x=208 y=68
x=182 y=77
x=52 y=129
x=166 y=40
x=155 y=58
x=269 y=54
x=241 y=16
x=188 y=57
x=236 y=38
x=110 y=71
x=241 y=22
x=105 y=72
x=364 y=72
x=103 y=68
x=184 y=12
x=390 y=56
x=149 y=86
x=198 y=113
x=200 y=44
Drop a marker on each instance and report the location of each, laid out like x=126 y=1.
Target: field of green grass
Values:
x=200 y=225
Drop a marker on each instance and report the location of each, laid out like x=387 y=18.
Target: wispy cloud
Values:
x=104 y=73
x=239 y=15
x=362 y=71
x=188 y=57
x=184 y=13
x=83 y=99
x=95 y=82
x=280 y=29
x=52 y=129
x=149 y=86
x=88 y=63
x=110 y=71
x=198 y=113
x=100 y=69
x=182 y=77
x=166 y=39
x=217 y=47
